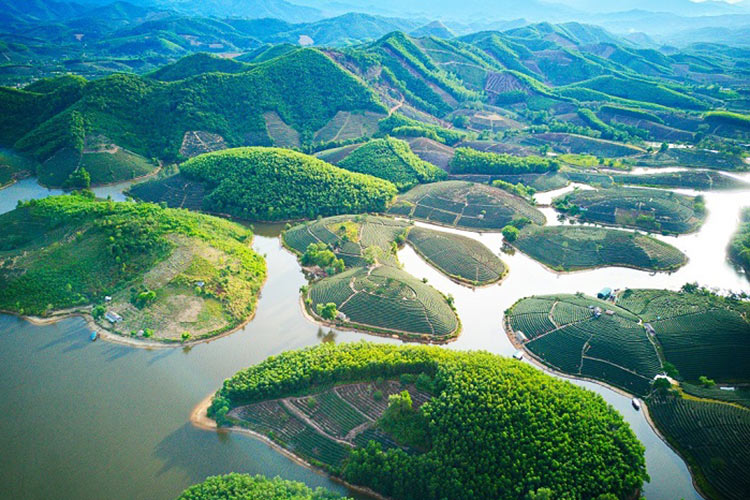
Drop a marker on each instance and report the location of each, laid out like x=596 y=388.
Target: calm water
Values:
x=93 y=420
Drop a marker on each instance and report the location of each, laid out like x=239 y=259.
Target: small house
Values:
x=107 y=298
x=649 y=328
x=521 y=337
x=604 y=293
x=597 y=312
x=112 y=317
x=341 y=316
x=609 y=312
x=518 y=355
x=200 y=284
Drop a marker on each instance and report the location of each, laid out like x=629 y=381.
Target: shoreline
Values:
x=644 y=407
x=200 y=420
x=352 y=327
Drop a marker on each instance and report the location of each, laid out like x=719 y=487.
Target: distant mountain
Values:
x=435 y=28
x=248 y=9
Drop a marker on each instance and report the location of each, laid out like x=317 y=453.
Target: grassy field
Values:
x=565 y=332
x=569 y=248
x=167 y=272
x=646 y=209
x=346 y=126
x=464 y=205
x=388 y=301
x=463 y=259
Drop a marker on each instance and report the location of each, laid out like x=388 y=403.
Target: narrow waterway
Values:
x=91 y=420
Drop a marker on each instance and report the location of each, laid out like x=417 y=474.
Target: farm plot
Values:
x=176 y=190
x=325 y=426
x=584 y=336
x=282 y=135
x=337 y=233
x=699 y=332
x=386 y=300
x=713 y=437
x=197 y=142
x=346 y=125
x=464 y=259
x=568 y=248
x=464 y=205
x=647 y=209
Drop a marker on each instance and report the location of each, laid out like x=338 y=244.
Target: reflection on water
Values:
x=90 y=420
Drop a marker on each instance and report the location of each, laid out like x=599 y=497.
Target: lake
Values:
x=92 y=420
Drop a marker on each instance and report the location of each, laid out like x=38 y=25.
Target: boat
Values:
x=93 y=336
x=636 y=403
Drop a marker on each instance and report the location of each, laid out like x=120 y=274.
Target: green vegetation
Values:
x=401 y=126
x=728 y=118
x=691 y=335
x=392 y=160
x=68 y=252
x=471 y=161
x=713 y=437
x=686 y=179
x=569 y=248
x=587 y=337
x=385 y=300
x=465 y=205
x=700 y=333
x=357 y=240
x=483 y=429
x=521 y=190
x=277 y=184
x=150 y=118
x=245 y=487
x=464 y=259
x=739 y=247
x=638 y=90
x=647 y=209
x=13 y=166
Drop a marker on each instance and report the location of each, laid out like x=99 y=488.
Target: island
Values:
x=424 y=422
x=138 y=271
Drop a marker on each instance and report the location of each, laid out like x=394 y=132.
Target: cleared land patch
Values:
x=282 y=135
x=348 y=125
x=197 y=142
x=569 y=248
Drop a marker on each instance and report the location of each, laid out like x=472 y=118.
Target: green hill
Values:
x=274 y=184
x=195 y=65
x=438 y=423
x=392 y=160
x=150 y=118
x=245 y=487
x=168 y=272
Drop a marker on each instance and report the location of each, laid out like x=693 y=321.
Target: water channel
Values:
x=92 y=420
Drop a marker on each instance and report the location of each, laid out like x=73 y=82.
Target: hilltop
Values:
x=137 y=269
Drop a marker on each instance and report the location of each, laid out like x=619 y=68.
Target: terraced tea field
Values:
x=713 y=437
x=386 y=300
x=371 y=230
x=648 y=209
x=176 y=190
x=569 y=248
x=465 y=205
x=700 y=334
x=463 y=259
x=323 y=427
x=587 y=337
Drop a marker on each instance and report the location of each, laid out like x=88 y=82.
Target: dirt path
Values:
x=397 y=106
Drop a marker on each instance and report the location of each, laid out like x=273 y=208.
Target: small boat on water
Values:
x=93 y=336
x=636 y=403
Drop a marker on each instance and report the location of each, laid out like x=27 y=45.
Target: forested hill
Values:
x=268 y=184
x=304 y=89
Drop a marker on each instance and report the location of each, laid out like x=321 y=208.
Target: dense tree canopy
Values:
x=471 y=161
x=496 y=428
x=277 y=184
x=246 y=487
